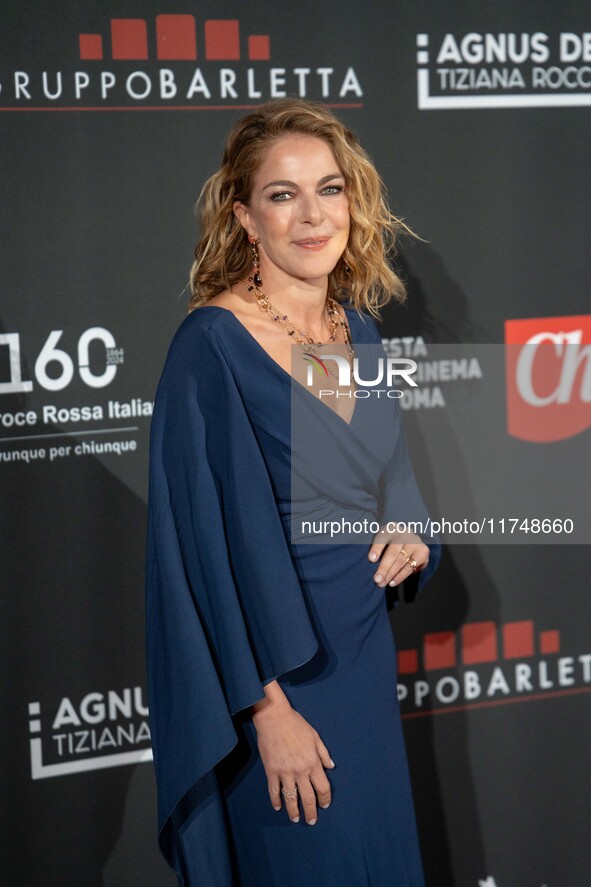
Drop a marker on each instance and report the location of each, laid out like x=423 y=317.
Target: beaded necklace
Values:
x=307 y=343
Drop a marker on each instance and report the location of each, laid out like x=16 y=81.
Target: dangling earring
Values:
x=256 y=277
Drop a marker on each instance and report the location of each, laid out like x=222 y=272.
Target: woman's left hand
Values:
x=397 y=556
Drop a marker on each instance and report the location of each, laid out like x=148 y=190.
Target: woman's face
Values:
x=298 y=209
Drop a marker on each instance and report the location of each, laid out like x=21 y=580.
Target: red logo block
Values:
x=479 y=642
x=222 y=40
x=129 y=39
x=548 y=366
x=408 y=662
x=259 y=48
x=518 y=639
x=550 y=641
x=91 y=46
x=439 y=650
x=175 y=37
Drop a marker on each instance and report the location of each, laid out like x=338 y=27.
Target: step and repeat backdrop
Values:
x=112 y=114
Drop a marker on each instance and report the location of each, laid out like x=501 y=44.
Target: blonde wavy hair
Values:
x=223 y=256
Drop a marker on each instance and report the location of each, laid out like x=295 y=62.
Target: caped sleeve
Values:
x=225 y=612
x=400 y=497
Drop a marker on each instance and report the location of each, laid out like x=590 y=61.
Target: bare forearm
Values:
x=293 y=755
x=274 y=703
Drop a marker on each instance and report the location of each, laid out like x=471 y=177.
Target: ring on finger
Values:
x=291 y=793
x=412 y=563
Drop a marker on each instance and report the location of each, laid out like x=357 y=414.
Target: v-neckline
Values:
x=280 y=369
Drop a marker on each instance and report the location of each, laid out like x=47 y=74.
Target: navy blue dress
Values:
x=233 y=603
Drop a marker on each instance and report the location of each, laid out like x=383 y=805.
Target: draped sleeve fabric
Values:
x=400 y=497
x=225 y=612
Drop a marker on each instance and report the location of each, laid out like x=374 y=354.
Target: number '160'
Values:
x=51 y=354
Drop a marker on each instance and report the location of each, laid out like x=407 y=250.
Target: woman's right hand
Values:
x=293 y=755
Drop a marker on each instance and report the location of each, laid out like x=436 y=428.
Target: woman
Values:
x=269 y=658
